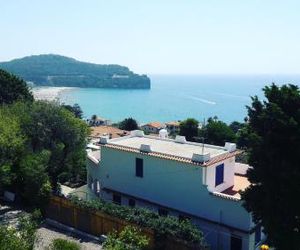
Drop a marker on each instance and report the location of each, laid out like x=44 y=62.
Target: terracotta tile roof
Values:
x=173 y=123
x=173 y=157
x=154 y=124
x=107 y=130
x=232 y=193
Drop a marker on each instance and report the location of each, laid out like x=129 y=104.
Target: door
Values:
x=235 y=243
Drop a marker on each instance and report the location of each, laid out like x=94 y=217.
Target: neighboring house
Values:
x=109 y=131
x=152 y=127
x=98 y=121
x=174 y=177
x=173 y=127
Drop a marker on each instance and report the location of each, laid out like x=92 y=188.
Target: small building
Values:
x=98 y=121
x=173 y=127
x=152 y=127
x=175 y=177
x=109 y=131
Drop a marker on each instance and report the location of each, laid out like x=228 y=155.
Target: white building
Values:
x=98 y=121
x=173 y=127
x=152 y=127
x=179 y=178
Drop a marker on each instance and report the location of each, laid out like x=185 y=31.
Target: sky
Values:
x=158 y=36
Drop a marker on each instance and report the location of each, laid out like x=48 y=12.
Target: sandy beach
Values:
x=49 y=93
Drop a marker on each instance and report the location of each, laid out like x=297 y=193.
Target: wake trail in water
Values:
x=196 y=98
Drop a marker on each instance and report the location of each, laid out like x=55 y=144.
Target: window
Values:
x=219 y=174
x=117 y=199
x=139 y=167
x=235 y=243
x=162 y=212
x=131 y=202
x=257 y=234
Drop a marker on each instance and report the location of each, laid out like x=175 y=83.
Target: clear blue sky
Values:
x=159 y=36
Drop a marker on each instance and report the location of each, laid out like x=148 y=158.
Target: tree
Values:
x=51 y=127
x=130 y=238
x=217 y=132
x=236 y=126
x=274 y=149
x=42 y=141
x=12 y=144
x=128 y=124
x=13 y=89
x=189 y=129
x=35 y=180
x=75 y=109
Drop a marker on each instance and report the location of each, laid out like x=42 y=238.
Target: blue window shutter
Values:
x=219 y=174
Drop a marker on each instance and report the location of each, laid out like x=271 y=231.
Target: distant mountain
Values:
x=56 y=70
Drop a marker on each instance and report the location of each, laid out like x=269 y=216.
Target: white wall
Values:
x=228 y=176
x=150 y=129
x=241 y=168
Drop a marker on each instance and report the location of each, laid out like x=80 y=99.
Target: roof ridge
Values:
x=212 y=161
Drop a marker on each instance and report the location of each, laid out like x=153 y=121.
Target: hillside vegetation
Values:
x=56 y=70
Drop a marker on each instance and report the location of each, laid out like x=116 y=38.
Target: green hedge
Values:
x=182 y=230
x=62 y=244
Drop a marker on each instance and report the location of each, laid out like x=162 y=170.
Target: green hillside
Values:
x=56 y=70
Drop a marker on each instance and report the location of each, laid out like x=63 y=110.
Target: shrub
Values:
x=130 y=238
x=162 y=226
x=62 y=244
x=22 y=237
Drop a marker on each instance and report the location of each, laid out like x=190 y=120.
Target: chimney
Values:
x=180 y=139
x=145 y=148
x=103 y=140
x=201 y=157
x=231 y=147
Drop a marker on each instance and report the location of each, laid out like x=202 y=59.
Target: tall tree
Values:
x=56 y=137
x=128 y=124
x=13 y=89
x=12 y=144
x=274 y=146
x=217 y=132
x=189 y=129
x=236 y=126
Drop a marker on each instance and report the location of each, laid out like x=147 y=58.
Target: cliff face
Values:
x=55 y=70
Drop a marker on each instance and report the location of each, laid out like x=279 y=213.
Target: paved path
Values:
x=47 y=233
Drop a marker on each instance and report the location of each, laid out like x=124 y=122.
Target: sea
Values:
x=177 y=97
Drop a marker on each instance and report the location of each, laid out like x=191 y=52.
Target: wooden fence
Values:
x=98 y=223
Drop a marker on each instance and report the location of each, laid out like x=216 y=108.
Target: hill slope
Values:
x=56 y=70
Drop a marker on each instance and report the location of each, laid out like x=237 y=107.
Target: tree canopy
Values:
x=274 y=146
x=128 y=124
x=13 y=89
x=75 y=109
x=189 y=129
x=41 y=143
x=217 y=132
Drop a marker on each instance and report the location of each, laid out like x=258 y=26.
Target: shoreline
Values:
x=49 y=93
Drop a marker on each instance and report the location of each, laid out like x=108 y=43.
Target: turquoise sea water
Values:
x=177 y=97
